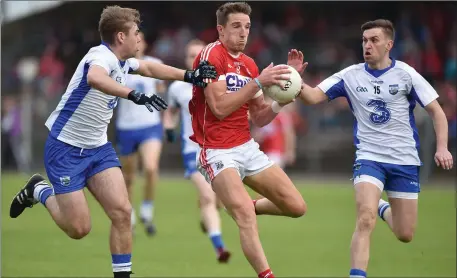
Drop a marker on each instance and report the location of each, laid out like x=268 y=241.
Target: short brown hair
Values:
x=231 y=8
x=116 y=19
x=386 y=25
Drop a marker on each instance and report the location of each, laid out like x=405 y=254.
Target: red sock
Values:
x=266 y=274
x=253 y=202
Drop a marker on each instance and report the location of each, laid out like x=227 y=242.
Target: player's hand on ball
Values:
x=443 y=159
x=274 y=75
x=151 y=102
x=203 y=71
x=295 y=60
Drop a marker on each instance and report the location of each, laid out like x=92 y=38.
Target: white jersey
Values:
x=132 y=116
x=179 y=95
x=82 y=116
x=382 y=102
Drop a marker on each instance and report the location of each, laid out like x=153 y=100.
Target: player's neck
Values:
x=383 y=64
x=119 y=55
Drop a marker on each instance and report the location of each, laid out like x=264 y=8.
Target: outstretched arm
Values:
x=443 y=157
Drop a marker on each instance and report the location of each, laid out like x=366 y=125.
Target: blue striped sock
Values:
x=121 y=262
x=357 y=273
x=45 y=194
x=382 y=208
x=216 y=239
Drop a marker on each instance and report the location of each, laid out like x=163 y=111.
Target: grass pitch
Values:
x=316 y=245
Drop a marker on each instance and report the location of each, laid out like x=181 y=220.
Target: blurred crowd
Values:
x=327 y=33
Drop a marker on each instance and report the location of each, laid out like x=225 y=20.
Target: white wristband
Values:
x=276 y=107
x=258 y=94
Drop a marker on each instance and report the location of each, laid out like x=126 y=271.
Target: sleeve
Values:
x=171 y=96
x=99 y=58
x=333 y=86
x=215 y=59
x=421 y=91
x=134 y=64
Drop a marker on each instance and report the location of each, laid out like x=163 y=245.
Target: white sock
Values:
x=382 y=207
x=39 y=189
x=133 y=218
x=147 y=210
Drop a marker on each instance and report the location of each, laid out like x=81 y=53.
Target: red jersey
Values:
x=232 y=131
x=274 y=140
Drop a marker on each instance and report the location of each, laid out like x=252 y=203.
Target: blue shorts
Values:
x=399 y=181
x=190 y=164
x=68 y=167
x=128 y=141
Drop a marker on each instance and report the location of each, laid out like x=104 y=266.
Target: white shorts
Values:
x=277 y=158
x=247 y=159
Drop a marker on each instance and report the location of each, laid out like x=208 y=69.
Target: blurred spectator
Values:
x=450 y=70
x=11 y=133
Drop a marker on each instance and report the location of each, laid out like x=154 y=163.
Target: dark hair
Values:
x=115 y=19
x=385 y=24
x=231 y=8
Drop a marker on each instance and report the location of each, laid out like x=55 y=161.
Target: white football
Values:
x=291 y=88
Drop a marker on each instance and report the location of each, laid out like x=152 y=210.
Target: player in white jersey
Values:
x=139 y=131
x=77 y=152
x=179 y=95
x=382 y=94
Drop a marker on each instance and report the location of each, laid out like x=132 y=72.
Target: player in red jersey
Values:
x=277 y=139
x=228 y=156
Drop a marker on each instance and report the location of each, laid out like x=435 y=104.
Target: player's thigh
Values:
x=403 y=189
x=74 y=210
x=404 y=217
x=109 y=189
x=106 y=183
x=129 y=165
x=277 y=187
x=150 y=151
x=369 y=178
x=230 y=190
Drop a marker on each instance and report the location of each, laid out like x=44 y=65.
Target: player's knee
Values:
x=405 y=235
x=207 y=199
x=151 y=170
x=297 y=208
x=244 y=215
x=366 y=220
x=79 y=230
x=121 y=215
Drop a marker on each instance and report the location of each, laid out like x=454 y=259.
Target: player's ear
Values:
x=390 y=45
x=220 y=29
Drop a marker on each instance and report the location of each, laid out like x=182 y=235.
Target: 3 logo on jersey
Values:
x=235 y=81
x=381 y=113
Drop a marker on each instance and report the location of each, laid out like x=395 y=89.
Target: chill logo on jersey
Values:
x=235 y=81
x=381 y=113
x=113 y=103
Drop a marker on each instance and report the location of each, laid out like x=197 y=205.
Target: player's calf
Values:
x=281 y=196
x=401 y=216
x=230 y=190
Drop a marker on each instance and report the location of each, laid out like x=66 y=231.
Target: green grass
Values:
x=316 y=245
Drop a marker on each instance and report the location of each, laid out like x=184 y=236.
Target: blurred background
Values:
x=43 y=41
